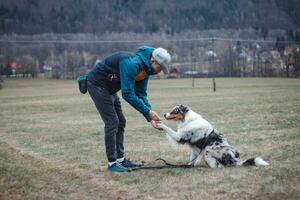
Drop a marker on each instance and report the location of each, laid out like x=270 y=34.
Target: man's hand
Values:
x=154 y=116
x=155 y=119
x=154 y=124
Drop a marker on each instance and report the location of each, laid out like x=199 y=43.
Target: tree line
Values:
x=142 y=16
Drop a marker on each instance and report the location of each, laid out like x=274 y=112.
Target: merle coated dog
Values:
x=204 y=140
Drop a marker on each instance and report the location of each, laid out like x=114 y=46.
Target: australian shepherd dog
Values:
x=205 y=141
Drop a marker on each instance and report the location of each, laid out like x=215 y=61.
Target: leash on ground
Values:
x=167 y=165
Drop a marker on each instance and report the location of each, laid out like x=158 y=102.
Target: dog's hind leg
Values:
x=211 y=161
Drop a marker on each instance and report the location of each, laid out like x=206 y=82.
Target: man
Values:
x=130 y=73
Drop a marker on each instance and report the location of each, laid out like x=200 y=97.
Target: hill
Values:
x=144 y=16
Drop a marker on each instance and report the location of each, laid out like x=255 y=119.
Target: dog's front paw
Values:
x=161 y=126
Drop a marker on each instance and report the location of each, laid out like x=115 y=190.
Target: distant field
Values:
x=52 y=147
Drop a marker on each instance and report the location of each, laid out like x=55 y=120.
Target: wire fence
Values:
x=191 y=57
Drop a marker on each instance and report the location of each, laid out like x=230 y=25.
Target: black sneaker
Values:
x=128 y=164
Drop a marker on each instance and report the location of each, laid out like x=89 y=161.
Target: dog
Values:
x=204 y=140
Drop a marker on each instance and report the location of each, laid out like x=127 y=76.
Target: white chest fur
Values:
x=194 y=127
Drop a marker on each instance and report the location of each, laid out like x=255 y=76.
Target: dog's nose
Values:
x=166 y=115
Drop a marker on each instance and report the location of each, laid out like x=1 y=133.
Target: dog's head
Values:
x=177 y=113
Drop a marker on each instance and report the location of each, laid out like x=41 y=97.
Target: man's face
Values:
x=155 y=66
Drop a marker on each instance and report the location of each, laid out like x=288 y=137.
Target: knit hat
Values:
x=163 y=58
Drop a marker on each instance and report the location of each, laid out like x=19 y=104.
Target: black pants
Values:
x=110 y=110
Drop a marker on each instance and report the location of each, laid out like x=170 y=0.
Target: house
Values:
x=275 y=54
x=174 y=73
x=13 y=66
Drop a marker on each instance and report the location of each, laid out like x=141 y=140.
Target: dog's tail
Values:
x=257 y=161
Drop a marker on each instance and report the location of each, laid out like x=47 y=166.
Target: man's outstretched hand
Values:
x=154 y=124
x=155 y=119
x=154 y=116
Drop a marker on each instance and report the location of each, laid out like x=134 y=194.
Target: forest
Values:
x=142 y=16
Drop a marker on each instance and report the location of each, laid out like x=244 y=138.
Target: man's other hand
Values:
x=154 y=124
x=154 y=116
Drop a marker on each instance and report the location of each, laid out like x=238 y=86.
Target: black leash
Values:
x=167 y=165
x=202 y=143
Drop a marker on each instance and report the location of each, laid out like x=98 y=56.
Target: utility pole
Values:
x=192 y=67
x=213 y=63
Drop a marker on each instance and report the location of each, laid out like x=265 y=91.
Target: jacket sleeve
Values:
x=128 y=71
x=141 y=91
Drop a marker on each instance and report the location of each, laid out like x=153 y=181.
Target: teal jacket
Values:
x=135 y=92
x=118 y=71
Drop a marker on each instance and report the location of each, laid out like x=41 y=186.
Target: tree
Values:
x=264 y=32
x=279 y=45
x=296 y=63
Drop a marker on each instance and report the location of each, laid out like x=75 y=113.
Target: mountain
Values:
x=145 y=16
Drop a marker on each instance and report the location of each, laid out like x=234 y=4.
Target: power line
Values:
x=100 y=41
x=254 y=41
x=245 y=40
x=141 y=41
x=188 y=63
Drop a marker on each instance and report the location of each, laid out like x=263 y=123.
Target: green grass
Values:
x=52 y=145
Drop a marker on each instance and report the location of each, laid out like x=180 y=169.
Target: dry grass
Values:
x=52 y=147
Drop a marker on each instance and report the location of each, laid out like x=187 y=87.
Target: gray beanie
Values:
x=163 y=58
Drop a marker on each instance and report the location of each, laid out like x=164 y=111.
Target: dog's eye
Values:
x=175 y=111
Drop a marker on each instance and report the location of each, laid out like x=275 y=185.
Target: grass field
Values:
x=52 y=147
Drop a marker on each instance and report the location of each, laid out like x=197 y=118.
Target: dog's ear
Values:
x=183 y=109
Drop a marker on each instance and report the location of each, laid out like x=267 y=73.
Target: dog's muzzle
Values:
x=167 y=116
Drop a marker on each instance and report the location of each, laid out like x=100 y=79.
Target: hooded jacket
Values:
x=119 y=71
